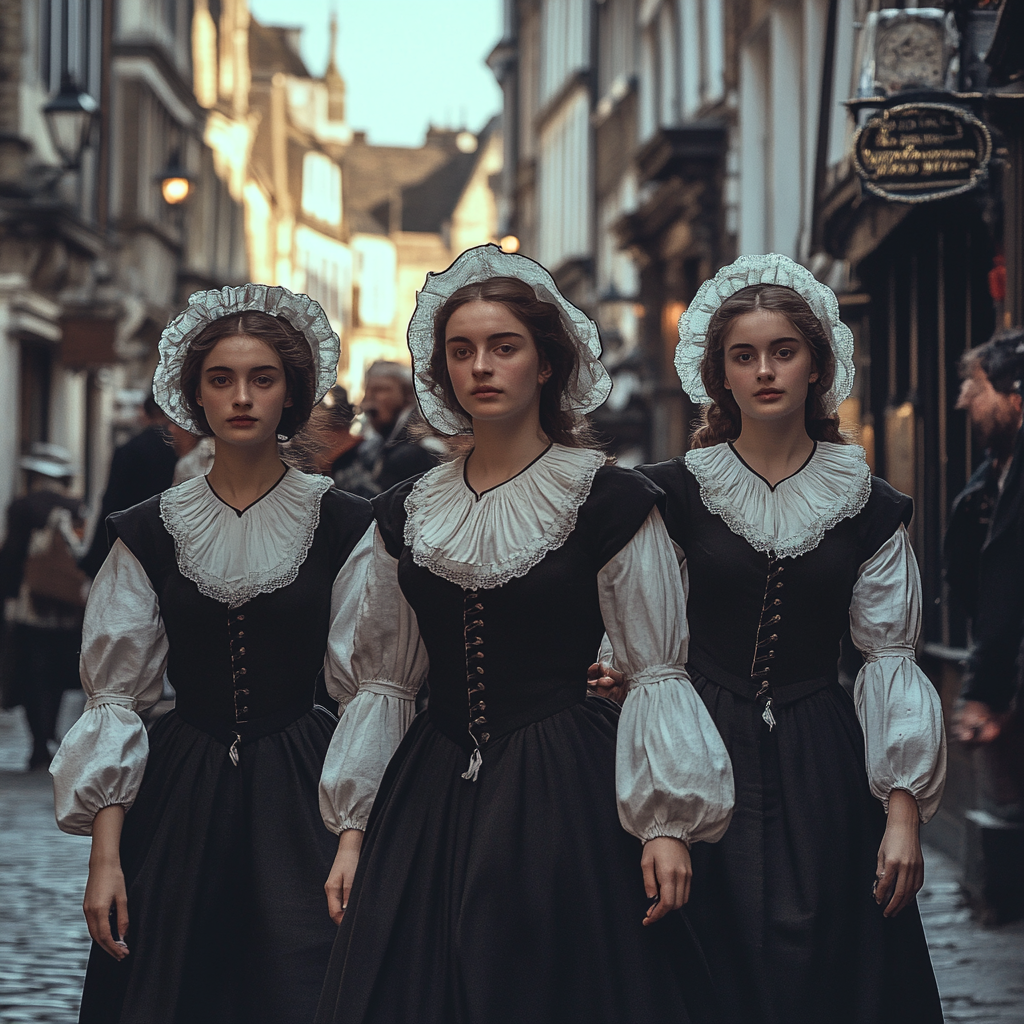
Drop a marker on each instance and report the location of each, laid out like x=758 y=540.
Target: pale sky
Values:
x=406 y=63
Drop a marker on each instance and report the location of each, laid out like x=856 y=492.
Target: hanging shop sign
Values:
x=917 y=152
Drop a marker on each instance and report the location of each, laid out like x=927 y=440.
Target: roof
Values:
x=429 y=180
x=271 y=50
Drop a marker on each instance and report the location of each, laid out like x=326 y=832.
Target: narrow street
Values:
x=44 y=943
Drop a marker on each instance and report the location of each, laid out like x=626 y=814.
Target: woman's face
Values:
x=769 y=365
x=243 y=391
x=495 y=368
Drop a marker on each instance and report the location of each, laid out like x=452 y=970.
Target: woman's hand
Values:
x=105 y=888
x=667 y=875
x=900 y=872
x=339 y=881
x=606 y=682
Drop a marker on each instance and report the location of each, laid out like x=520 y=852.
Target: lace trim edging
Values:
x=489 y=575
x=800 y=543
x=274 y=579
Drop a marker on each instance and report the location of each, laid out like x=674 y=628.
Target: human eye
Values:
x=784 y=352
x=219 y=380
x=263 y=380
x=505 y=349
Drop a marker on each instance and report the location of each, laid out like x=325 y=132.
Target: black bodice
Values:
x=236 y=669
x=763 y=619
x=503 y=657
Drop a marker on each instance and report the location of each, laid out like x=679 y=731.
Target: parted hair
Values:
x=551 y=336
x=721 y=421
x=289 y=343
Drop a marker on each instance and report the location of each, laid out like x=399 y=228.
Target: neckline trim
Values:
x=241 y=512
x=778 y=483
x=479 y=494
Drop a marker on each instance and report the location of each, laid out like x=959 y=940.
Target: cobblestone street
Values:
x=44 y=942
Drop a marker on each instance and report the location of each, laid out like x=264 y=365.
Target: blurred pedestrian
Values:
x=140 y=468
x=45 y=594
x=195 y=454
x=339 y=453
x=206 y=830
x=984 y=543
x=398 y=448
x=807 y=907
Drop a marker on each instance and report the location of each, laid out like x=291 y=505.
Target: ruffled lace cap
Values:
x=302 y=312
x=591 y=384
x=232 y=557
x=791 y=518
x=481 y=543
x=771 y=268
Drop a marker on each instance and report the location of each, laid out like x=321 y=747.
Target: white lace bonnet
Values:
x=584 y=394
x=302 y=312
x=771 y=268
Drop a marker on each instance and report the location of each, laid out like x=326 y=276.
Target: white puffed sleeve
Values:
x=673 y=776
x=898 y=708
x=124 y=654
x=375 y=665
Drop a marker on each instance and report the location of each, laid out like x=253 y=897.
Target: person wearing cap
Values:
x=141 y=467
x=42 y=630
x=527 y=850
x=806 y=909
x=205 y=889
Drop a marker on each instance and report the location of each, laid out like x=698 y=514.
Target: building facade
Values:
x=93 y=261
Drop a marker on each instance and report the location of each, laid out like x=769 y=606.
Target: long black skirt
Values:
x=224 y=868
x=518 y=897
x=782 y=904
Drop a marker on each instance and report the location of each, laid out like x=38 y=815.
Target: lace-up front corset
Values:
x=507 y=656
x=242 y=672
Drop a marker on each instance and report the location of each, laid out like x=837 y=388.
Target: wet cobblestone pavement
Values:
x=44 y=943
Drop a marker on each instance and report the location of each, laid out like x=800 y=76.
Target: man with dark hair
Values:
x=985 y=569
x=389 y=404
x=140 y=468
x=985 y=540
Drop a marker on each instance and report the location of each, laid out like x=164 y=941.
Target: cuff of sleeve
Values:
x=347 y=824
x=667 y=832
x=386 y=688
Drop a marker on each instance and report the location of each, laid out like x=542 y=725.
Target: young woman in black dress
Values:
x=526 y=846
x=204 y=896
x=806 y=908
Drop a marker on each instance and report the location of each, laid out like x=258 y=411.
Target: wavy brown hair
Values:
x=722 y=421
x=554 y=343
x=289 y=343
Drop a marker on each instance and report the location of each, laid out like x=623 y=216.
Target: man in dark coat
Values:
x=985 y=540
x=389 y=404
x=140 y=468
x=42 y=636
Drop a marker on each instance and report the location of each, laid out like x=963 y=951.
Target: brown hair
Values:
x=721 y=421
x=554 y=343
x=290 y=345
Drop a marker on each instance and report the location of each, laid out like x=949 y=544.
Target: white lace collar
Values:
x=232 y=557
x=790 y=518
x=483 y=542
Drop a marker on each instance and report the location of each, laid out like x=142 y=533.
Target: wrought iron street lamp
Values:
x=69 y=116
x=175 y=183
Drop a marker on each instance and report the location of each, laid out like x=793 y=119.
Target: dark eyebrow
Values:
x=490 y=337
x=775 y=341
x=231 y=369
